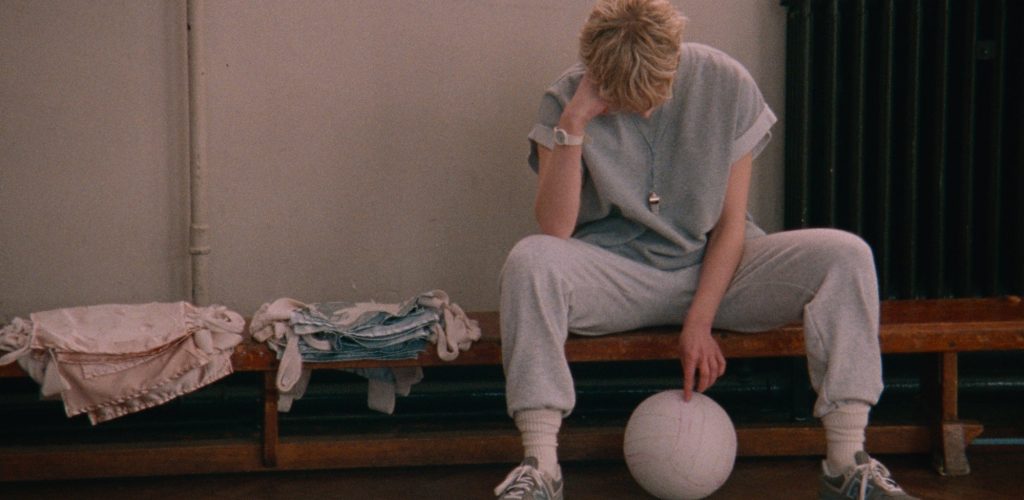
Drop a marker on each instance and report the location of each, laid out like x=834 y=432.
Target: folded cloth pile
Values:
x=112 y=360
x=341 y=331
x=344 y=331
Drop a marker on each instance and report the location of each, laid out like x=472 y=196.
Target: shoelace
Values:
x=875 y=469
x=519 y=482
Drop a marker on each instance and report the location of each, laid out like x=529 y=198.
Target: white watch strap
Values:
x=564 y=138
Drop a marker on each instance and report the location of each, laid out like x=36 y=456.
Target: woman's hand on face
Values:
x=584 y=106
x=701 y=358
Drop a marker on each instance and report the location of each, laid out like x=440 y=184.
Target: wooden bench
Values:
x=940 y=327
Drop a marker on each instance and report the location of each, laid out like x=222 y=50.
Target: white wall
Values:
x=357 y=149
x=92 y=146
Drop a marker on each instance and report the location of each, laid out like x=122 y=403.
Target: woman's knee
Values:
x=849 y=249
x=534 y=254
x=824 y=251
x=838 y=251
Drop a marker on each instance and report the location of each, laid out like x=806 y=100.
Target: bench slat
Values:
x=934 y=325
x=941 y=325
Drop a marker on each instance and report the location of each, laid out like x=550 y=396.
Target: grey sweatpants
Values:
x=824 y=277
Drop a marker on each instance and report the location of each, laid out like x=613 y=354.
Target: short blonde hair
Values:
x=631 y=50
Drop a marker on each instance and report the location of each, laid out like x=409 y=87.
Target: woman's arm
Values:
x=559 y=182
x=560 y=174
x=698 y=351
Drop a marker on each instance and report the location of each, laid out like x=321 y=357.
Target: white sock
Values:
x=539 y=429
x=844 y=435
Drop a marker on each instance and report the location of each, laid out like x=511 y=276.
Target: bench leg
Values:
x=950 y=456
x=270 y=430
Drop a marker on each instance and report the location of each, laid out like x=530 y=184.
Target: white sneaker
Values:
x=527 y=482
x=868 y=480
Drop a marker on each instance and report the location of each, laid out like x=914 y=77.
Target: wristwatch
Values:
x=563 y=138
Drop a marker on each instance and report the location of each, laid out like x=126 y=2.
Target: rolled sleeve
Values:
x=755 y=138
x=543 y=135
x=543 y=132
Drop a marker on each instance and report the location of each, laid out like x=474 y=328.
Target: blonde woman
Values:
x=643 y=153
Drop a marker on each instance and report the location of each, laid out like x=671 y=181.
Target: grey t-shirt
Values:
x=683 y=153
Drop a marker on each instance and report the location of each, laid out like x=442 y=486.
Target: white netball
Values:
x=677 y=449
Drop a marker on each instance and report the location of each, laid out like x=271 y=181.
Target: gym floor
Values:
x=996 y=474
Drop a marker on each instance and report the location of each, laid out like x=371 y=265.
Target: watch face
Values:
x=560 y=136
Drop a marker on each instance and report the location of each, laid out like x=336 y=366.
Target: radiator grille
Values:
x=904 y=125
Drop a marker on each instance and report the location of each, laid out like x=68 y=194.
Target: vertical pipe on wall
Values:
x=1014 y=175
x=884 y=154
x=965 y=213
x=994 y=217
x=798 y=68
x=199 y=248
x=859 y=83
x=913 y=123
x=831 y=136
x=940 y=82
